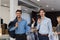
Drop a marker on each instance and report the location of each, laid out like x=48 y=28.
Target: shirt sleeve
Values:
x=50 y=27
x=27 y=28
x=13 y=28
x=58 y=28
x=38 y=26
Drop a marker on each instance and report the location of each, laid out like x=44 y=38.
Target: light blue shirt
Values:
x=45 y=27
x=22 y=27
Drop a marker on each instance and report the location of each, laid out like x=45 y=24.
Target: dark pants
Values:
x=43 y=37
x=21 y=37
x=36 y=35
x=59 y=36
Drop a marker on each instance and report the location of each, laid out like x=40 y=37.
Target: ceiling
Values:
x=48 y=5
x=5 y=3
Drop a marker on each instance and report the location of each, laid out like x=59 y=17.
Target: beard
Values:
x=18 y=17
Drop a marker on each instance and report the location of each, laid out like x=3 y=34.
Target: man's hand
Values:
x=58 y=32
x=38 y=20
x=55 y=33
x=16 y=25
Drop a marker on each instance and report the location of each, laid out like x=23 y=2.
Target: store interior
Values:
x=30 y=8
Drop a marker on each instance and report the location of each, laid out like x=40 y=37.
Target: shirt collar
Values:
x=45 y=17
x=21 y=20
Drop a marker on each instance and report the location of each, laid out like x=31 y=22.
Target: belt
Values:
x=43 y=34
x=20 y=35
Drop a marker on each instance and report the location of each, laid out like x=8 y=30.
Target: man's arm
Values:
x=58 y=32
x=27 y=28
x=14 y=27
x=57 y=29
x=38 y=26
x=50 y=27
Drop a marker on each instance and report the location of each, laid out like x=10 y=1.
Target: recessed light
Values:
x=47 y=5
x=38 y=0
x=5 y=4
x=26 y=9
x=52 y=8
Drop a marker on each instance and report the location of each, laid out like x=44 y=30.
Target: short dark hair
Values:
x=43 y=10
x=19 y=11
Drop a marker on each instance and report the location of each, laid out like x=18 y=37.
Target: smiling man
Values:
x=21 y=27
x=44 y=26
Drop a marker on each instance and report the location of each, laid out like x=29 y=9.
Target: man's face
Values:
x=58 y=19
x=42 y=13
x=18 y=14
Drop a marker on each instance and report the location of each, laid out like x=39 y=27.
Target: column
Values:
x=13 y=7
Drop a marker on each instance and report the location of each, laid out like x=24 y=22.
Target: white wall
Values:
x=5 y=14
x=0 y=12
x=0 y=8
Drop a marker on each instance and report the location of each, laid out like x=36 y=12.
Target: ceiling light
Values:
x=38 y=0
x=52 y=8
x=5 y=4
x=47 y=6
x=26 y=9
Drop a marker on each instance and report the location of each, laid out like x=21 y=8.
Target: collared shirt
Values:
x=22 y=27
x=45 y=27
